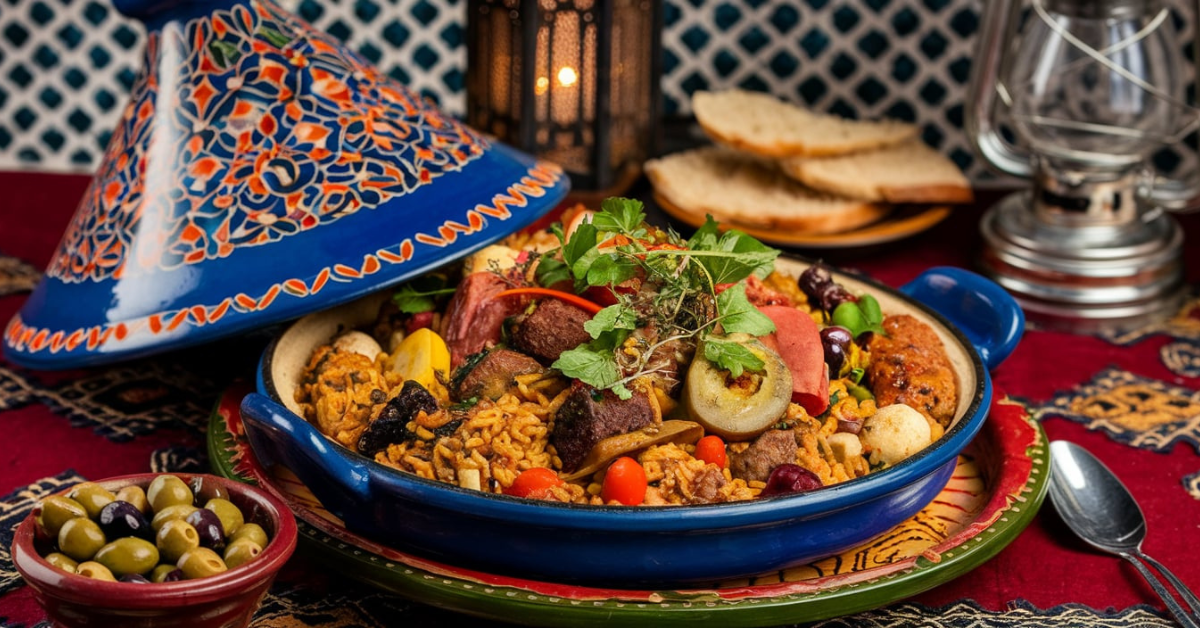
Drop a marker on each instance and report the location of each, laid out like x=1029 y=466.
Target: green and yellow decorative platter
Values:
x=996 y=490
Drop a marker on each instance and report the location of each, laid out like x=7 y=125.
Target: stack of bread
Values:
x=775 y=165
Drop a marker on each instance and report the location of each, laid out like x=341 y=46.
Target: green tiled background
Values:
x=66 y=65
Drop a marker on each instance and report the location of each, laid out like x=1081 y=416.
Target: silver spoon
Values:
x=1098 y=508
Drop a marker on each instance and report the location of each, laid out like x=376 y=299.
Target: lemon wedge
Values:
x=420 y=355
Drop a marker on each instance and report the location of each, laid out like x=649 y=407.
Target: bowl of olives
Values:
x=186 y=550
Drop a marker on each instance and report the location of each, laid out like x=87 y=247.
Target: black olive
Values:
x=119 y=519
x=833 y=295
x=836 y=342
x=208 y=525
x=813 y=281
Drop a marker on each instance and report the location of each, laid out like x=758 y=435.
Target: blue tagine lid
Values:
x=262 y=171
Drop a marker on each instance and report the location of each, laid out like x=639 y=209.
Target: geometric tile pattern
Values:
x=906 y=59
x=66 y=68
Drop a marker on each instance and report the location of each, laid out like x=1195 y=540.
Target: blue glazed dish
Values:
x=284 y=175
x=644 y=546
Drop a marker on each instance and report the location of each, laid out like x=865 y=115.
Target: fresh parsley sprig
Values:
x=677 y=292
x=419 y=295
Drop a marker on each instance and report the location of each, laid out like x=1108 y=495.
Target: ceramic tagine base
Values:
x=259 y=172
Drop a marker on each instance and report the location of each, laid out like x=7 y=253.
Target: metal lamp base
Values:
x=1085 y=279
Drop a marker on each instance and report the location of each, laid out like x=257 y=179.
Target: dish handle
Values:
x=278 y=436
x=989 y=317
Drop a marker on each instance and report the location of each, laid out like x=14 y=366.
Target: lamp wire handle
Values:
x=1103 y=59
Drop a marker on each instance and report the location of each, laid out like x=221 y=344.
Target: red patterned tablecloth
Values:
x=1132 y=400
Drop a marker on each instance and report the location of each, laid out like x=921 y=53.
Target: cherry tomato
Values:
x=533 y=483
x=711 y=449
x=624 y=482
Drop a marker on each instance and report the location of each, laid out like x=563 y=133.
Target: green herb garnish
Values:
x=464 y=405
x=674 y=294
x=419 y=294
x=734 y=357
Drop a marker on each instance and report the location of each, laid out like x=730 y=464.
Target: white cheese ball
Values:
x=358 y=342
x=894 y=433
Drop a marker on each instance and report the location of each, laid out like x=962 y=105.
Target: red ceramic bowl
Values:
x=227 y=600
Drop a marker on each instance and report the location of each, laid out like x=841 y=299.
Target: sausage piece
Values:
x=909 y=365
x=475 y=317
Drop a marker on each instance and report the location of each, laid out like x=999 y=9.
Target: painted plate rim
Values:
x=551 y=604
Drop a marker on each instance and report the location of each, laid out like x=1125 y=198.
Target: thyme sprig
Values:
x=666 y=291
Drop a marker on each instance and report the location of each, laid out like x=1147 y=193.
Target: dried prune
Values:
x=381 y=433
x=392 y=425
x=413 y=398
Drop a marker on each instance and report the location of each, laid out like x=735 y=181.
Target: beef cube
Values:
x=588 y=416
x=706 y=487
x=773 y=448
x=552 y=327
x=492 y=375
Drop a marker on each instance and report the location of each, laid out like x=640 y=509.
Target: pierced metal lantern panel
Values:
x=572 y=81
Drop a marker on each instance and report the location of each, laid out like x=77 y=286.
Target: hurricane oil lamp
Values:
x=1077 y=96
x=571 y=81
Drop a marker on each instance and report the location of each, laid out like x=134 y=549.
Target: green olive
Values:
x=136 y=496
x=240 y=552
x=175 y=538
x=168 y=490
x=230 y=516
x=62 y=561
x=178 y=511
x=92 y=497
x=95 y=571
x=200 y=562
x=251 y=531
x=128 y=555
x=162 y=572
x=57 y=510
x=80 y=538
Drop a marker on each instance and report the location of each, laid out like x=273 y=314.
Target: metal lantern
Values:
x=1090 y=90
x=575 y=82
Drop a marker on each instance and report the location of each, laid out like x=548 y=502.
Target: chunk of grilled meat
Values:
x=909 y=365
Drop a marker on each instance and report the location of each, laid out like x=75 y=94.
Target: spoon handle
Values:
x=1180 y=614
x=1180 y=587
